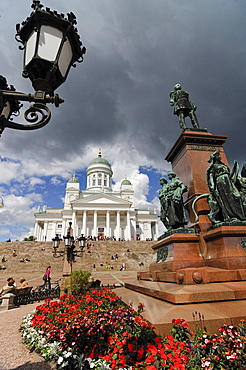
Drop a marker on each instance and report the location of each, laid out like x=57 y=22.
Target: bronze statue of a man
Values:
x=163 y=200
x=183 y=107
x=175 y=206
x=173 y=214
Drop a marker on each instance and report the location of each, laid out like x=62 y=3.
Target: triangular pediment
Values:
x=101 y=198
x=72 y=189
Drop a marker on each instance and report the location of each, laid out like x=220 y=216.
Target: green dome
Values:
x=74 y=180
x=126 y=182
x=99 y=160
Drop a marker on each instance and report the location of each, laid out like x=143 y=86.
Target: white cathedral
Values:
x=97 y=211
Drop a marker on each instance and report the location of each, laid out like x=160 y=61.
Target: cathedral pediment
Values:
x=101 y=199
x=72 y=188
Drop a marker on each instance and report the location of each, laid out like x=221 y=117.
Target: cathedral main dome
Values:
x=99 y=174
x=99 y=160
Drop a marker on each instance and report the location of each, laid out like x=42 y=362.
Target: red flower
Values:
x=150 y=359
x=151 y=348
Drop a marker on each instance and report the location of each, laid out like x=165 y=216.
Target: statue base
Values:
x=177 y=251
x=218 y=303
x=187 y=257
x=225 y=246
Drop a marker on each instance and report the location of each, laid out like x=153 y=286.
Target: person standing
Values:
x=48 y=277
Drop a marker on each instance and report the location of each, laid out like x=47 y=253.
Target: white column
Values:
x=53 y=234
x=35 y=230
x=64 y=231
x=74 y=224
x=38 y=233
x=141 y=231
x=156 y=231
x=128 y=225
x=150 y=231
x=108 y=224
x=118 y=230
x=84 y=222
x=134 y=228
x=41 y=234
x=95 y=224
x=45 y=230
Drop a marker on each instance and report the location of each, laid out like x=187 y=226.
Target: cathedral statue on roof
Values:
x=98 y=211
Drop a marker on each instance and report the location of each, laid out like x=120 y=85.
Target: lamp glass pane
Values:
x=49 y=42
x=56 y=243
x=30 y=48
x=6 y=110
x=65 y=58
x=68 y=241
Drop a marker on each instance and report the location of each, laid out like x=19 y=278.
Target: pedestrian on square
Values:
x=48 y=277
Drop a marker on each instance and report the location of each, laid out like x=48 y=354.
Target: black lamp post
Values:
x=51 y=45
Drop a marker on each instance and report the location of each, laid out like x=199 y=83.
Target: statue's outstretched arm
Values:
x=172 y=101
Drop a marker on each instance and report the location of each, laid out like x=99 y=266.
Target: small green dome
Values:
x=73 y=179
x=126 y=182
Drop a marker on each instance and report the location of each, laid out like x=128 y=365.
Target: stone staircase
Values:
x=98 y=253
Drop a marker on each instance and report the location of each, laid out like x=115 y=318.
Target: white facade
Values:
x=97 y=211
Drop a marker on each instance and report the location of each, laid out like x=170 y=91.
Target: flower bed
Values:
x=99 y=331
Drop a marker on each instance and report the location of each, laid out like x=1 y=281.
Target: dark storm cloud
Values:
x=136 y=52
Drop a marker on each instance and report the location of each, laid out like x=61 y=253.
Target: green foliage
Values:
x=29 y=239
x=180 y=330
x=80 y=282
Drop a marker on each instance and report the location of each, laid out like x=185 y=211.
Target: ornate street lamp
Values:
x=51 y=45
x=1 y=202
x=69 y=247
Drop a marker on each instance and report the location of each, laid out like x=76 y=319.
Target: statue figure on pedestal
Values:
x=163 y=200
x=171 y=198
x=183 y=107
x=225 y=199
x=242 y=185
x=175 y=208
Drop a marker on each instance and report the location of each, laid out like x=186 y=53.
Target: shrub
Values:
x=80 y=282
